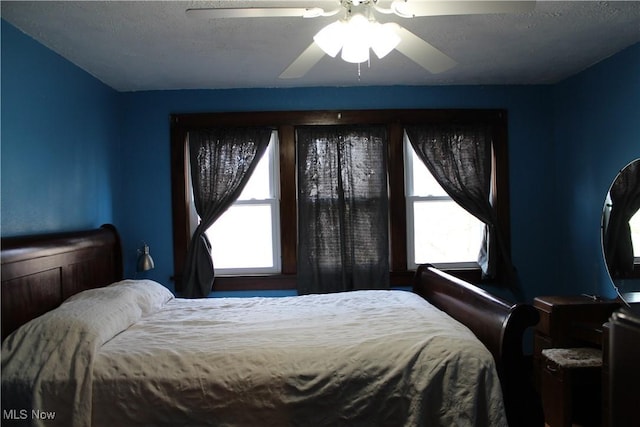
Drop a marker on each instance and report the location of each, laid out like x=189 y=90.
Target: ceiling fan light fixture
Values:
x=383 y=38
x=355 y=51
x=357 y=27
x=355 y=37
x=331 y=38
x=355 y=48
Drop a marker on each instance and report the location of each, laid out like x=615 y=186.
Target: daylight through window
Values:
x=634 y=224
x=439 y=231
x=246 y=238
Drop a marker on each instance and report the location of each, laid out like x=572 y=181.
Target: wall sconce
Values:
x=145 y=262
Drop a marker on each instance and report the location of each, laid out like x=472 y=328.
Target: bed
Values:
x=139 y=356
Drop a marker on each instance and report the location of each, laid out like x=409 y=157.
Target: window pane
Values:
x=439 y=230
x=259 y=187
x=424 y=184
x=444 y=232
x=241 y=237
x=246 y=238
x=634 y=223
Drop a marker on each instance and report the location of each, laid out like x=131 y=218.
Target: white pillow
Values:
x=147 y=294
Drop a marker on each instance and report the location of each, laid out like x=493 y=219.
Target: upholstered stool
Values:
x=571 y=386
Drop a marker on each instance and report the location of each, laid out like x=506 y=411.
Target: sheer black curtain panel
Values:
x=342 y=208
x=459 y=156
x=221 y=162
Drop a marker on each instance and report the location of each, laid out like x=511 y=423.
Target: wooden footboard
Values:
x=500 y=325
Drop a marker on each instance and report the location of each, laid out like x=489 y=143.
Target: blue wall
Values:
x=553 y=136
x=59 y=135
x=146 y=166
x=597 y=132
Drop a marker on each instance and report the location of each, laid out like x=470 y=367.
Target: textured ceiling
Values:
x=148 y=45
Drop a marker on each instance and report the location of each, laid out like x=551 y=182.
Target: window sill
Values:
x=289 y=281
x=250 y=283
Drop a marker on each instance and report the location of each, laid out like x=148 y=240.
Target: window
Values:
x=439 y=231
x=246 y=238
x=634 y=224
x=342 y=208
x=404 y=203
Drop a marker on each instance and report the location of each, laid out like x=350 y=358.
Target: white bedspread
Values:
x=365 y=358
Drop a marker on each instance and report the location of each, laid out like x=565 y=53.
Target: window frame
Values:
x=411 y=200
x=273 y=203
x=285 y=122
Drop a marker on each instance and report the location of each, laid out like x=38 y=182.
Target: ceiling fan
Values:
x=357 y=31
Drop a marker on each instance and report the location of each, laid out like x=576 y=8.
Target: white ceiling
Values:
x=149 y=45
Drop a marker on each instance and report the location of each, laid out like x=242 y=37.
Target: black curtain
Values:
x=625 y=202
x=459 y=156
x=342 y=208
x=221 y=162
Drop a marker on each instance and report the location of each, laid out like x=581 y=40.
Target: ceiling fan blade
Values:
x=411 y=8
x=256 y=12
x=304 y=62
x=422 y=53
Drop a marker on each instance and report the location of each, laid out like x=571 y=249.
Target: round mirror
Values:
x=621 y=234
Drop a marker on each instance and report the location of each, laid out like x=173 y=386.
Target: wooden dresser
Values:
x=571 y=322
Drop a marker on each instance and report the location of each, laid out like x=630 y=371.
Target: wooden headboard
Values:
x=41 y=271
x=500 y=326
